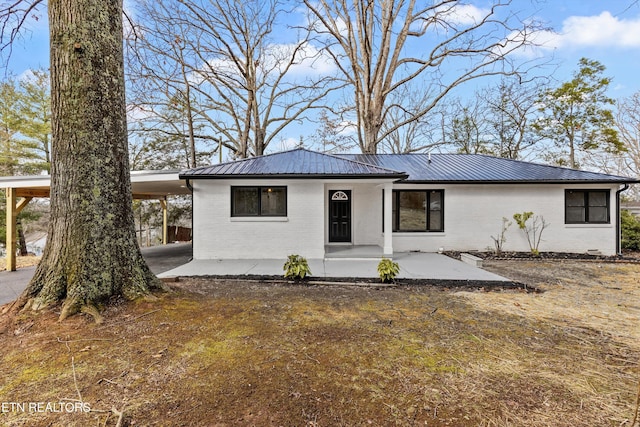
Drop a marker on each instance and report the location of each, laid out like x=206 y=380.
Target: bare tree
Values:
x=91 y=253
x=495 y=120
x=161 y=91
x=332 y=135
x=627 y=162
x=248 y=87
x=510 y=109
x=419 y=134
x=372 y=43
x=628 y=123
x=465 y=128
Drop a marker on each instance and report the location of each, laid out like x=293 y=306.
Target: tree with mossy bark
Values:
x=91 y=254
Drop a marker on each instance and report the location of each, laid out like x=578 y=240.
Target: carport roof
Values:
x=144 y=184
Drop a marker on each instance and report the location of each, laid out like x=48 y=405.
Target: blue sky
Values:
x=605 y=31
x=608 y=32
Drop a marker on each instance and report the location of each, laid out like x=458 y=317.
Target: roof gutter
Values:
x=515 y=182
x=399 y=176
x=618 y=221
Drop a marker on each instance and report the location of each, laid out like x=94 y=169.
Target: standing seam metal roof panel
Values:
x=299 y=162
x=442 y=168
x=480 y=168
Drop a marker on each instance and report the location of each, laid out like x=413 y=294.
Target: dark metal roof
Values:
x=440 y=168
x=297 y=163
x=477 y=168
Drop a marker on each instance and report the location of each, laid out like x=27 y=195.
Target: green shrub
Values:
x=296 y=268
x=630 y=230
x=532 y=231
x=387 y=270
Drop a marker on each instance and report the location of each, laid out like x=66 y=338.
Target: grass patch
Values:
x=237 y=354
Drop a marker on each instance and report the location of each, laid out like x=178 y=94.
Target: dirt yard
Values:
x=230 y=353
x=21 y=262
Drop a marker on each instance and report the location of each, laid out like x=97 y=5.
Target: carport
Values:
x=145 y=185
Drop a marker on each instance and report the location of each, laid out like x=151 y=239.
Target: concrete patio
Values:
x=412 y=266
x=174 y=260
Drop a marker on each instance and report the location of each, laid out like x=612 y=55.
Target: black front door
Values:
x=340 y=216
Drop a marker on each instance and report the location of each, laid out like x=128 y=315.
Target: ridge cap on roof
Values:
x=338 y=156
x=245 y=159
x=335 y=156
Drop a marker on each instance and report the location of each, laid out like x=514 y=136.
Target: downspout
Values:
x=618 y=225
x=190 y=187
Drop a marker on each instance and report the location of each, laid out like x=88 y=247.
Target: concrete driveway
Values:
x=159 y=259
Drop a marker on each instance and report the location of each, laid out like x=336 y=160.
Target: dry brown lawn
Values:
x=604 y=297
x=232 y=353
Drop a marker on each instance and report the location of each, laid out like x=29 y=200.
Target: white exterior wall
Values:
x=219 y=236
x=473 y=213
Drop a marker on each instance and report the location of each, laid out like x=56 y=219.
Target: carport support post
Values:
x=13 y=209
x=165 y=219
x=11 y=229
x=387 y=247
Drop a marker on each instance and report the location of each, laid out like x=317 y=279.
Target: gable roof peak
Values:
x=296 y=162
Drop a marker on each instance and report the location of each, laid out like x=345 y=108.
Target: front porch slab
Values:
x=352 y=252
x=430 y=266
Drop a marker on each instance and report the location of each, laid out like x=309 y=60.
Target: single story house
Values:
x=305 y=202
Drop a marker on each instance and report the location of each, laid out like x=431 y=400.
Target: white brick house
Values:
x=307 y=203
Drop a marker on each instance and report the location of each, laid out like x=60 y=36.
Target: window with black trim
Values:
x=418 y=210
x=258 y=201
x=586 y=207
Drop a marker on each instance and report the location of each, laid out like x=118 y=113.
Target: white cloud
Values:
x=466 y=14
x=288 y=144
x=136 y=114
x=601 y=30
x=604 y=30
x=311 y=61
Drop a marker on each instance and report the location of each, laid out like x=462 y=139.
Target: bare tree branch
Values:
x=245 y=88
x=370 y=42
x=13 y=18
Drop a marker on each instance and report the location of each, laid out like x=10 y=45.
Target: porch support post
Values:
x=11 y=229
x=165 y=219
x=387 y=248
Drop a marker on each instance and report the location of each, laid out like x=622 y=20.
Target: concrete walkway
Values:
x=412 y=266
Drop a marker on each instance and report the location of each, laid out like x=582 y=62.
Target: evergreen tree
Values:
x=576 y=115
x=36 y=116
x=15 y=151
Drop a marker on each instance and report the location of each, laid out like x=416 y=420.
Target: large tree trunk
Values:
x=91 y=253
